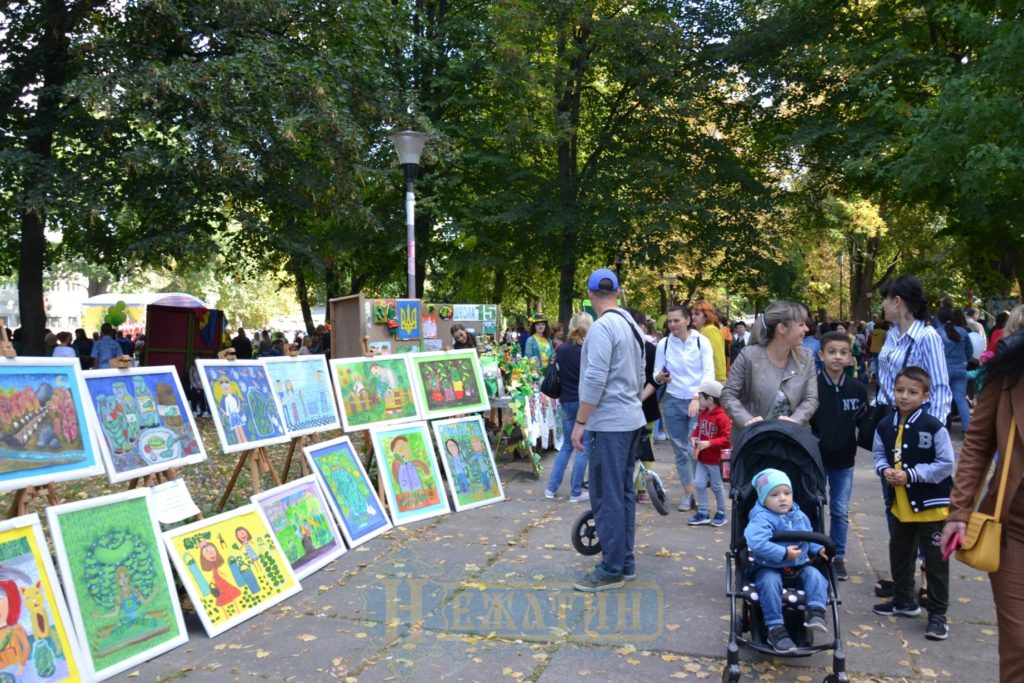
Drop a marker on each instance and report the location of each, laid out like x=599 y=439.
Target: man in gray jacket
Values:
x=611 y=379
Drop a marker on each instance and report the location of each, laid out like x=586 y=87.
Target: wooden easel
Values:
x=153 y=479
x=259 y=462
x=23 y=497
x=296 y=445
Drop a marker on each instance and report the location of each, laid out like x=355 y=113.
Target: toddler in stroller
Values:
x=779 y=578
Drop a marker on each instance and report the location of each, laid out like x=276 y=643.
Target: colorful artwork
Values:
x=144 y=420
x=44 y=435
x=232 y=567
x=353 y=498
x=433 y=344
x=244 y=411
x=373 y=391
x=380 y=348
x=468 y=462
x=449 y=383
x=430 y=325
x=408 y=319
x=34 y=621
x=302 y=389
x=297 y=515
x=412 y=481
x=119 y=585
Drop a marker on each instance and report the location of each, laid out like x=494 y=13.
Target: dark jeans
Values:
x=904 y=541
x=612 y=498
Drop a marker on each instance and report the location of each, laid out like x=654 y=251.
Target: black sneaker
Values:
x=937 y=627
x=778 y=638
x=889 y=609
x=596 y=581
x=815 y=620
x=839 y=567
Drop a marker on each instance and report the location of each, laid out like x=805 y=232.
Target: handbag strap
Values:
x=1005 y=469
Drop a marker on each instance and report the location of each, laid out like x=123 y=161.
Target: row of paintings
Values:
x=58 y=423
x=122 y=608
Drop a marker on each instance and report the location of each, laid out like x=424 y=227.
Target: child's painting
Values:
x=118 y=582
x=232 y=567
x=242 y=402
x=34 y=622
x=342 y=477
x=449 y=383
x=412 y=480
x=44 y=435
x=143 y=421
x=408 y=319
x=373 y=391
x=302 y=389
x=468 y=462
x=297 y=514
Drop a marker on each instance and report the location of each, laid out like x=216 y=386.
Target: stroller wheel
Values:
x=657 y=493
x=731 y=673
x=584 y=534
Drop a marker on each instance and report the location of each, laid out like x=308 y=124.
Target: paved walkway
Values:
x=486 y=595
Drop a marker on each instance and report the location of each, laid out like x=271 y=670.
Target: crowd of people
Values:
x=709 y=381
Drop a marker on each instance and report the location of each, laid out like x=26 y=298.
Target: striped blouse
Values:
x=927 y=353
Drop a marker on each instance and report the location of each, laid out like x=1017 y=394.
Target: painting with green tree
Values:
x=119 y=586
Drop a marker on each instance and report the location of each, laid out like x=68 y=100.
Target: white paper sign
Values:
x=172 y=502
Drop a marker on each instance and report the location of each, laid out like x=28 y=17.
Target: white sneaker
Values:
x=550 y=495
x=585 y=496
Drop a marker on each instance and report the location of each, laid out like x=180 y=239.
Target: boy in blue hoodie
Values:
x=776 y=510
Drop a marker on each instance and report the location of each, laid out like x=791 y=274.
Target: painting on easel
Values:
x=302 y=389
x=37 y=627
x=232 y=567
x=355 y=503
x=297 y=514
x=412 y=479
x=242 y=402
x=120 y=590
x=144 y=421
x=44 y=433
x=468 y=462
x=449 y=383
x=374 y=391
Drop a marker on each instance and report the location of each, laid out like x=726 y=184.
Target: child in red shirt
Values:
x=709 y=438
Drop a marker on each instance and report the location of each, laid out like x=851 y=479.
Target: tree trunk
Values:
x=303 y=291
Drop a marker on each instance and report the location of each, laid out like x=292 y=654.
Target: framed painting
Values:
x=242 y=402
x=142 y=420
x=468 y=462
x=34 y=621
x=296 y=513
x=408 y=311
x=355 y=503
x=232 y=567
x=44 y=430
x=119 y=585
x=449 y=383
x=412 y=480
x=374 y=391
x=302 y=390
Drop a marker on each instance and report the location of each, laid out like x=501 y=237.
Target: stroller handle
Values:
x=808 y=537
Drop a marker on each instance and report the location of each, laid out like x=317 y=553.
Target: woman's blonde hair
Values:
x=1015 y=322
x=579 y=325
x=781 y=311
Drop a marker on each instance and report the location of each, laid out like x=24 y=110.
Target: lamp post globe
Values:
x=409 y=146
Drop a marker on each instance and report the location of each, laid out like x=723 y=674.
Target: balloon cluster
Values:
x=116 y=314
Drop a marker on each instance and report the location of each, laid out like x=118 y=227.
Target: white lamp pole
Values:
x=409 y=145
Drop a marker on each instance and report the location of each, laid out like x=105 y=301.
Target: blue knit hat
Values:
x=766 y=480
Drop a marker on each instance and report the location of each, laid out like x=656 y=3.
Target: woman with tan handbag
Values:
x=1000 y=405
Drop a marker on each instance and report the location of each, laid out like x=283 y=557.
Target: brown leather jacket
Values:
x=754 y=382
x=990 y=428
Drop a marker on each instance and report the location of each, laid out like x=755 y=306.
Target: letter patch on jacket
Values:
x=924 y=440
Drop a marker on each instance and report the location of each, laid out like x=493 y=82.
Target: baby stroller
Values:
x=791 y=448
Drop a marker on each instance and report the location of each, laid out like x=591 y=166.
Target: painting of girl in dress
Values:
x=412 y=480
x=232 y=567
x=302 y=389
x=468 y=462
x=242 y=402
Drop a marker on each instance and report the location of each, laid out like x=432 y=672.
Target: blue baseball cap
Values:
x=594 y=282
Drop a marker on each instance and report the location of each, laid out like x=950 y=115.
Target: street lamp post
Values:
x=409 y=145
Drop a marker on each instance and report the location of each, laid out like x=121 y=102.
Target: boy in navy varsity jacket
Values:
x=840 y=397
x=709 y=437
x=913 y=454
